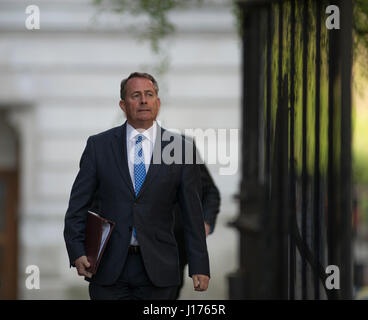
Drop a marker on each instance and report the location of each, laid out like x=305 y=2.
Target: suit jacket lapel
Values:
x=120 y=153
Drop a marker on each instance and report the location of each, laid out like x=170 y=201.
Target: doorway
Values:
x=8 y=210
x=8 y=234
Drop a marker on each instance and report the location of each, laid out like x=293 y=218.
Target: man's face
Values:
x=141 y=103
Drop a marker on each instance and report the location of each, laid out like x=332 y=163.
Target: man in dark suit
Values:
x=137 y=188
x=211 y=206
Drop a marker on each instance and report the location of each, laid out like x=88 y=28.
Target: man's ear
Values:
x=122 y=105
x=159 y=103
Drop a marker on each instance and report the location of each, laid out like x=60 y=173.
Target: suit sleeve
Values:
x=81 y=197
x=210 y=197
x=192 y=213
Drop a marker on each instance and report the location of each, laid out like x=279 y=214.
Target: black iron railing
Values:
x=295 y=193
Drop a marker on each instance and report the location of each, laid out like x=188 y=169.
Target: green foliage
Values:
x=360 y=150
x=159 y=27
x=360 y=27
x=361 y=18
x=238 y=14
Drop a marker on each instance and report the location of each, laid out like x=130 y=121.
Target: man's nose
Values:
x=143 y=100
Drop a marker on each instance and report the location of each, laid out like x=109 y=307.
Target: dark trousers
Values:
x=133 y=284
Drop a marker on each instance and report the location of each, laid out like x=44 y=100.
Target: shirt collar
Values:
x=150 y=133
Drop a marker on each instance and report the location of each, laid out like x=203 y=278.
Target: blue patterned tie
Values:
x=139 y=170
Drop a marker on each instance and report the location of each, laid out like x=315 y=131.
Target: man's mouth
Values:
x=142 y=110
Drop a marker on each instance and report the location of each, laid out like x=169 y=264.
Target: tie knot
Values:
x=139 y=139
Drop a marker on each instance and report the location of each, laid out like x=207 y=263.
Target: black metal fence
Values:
x=295 y=195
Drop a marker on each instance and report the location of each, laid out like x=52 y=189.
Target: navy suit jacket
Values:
x=104 y=174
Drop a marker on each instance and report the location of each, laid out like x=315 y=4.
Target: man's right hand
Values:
x=82 y=264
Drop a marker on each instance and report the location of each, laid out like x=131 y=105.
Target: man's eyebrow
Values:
x=148 y=90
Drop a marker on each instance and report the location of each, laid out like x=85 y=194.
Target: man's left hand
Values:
x=200 y=282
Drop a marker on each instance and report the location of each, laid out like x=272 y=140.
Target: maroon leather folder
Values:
x=98 y=232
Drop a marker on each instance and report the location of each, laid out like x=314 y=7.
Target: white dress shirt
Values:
x=148 y=143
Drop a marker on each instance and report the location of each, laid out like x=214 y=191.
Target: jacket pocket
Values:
x=165 y=238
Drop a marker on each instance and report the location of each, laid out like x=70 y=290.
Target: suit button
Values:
x=135 y=203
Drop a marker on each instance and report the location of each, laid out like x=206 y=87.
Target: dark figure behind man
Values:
x=211 y=207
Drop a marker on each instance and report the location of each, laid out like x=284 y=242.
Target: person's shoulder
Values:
x=107 y=134
x=175 y=135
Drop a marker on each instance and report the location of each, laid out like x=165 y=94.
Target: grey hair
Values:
x=145 y=75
